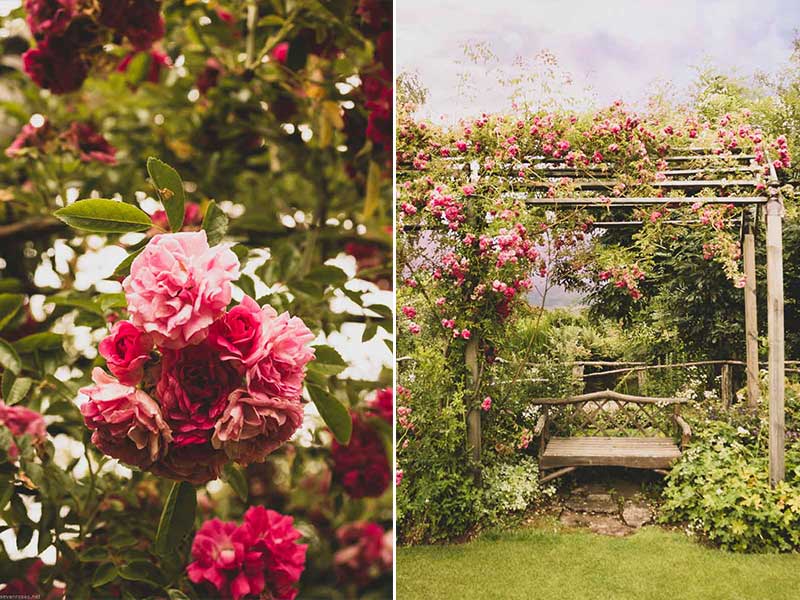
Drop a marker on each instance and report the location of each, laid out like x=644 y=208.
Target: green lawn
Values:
x=539 y=564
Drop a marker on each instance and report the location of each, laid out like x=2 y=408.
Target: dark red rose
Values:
x=374 y=13
x=49 y=17
x=89 y=144
x=55 y=65
x=384 y=50
x=209 y=76
x=138 y=20
x=193 y=391
x=361 y=466
x=158 y=61
x=197 y=464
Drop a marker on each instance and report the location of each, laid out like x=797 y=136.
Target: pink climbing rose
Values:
x=486 y=404
x=260 y=557
x=179 y=286
x=254 y=425
x=282 y=356
x=239 y=333
x=126 y=350
x=126 y=422
x=22 y=421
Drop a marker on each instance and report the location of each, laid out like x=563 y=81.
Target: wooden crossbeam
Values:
x=643 y=201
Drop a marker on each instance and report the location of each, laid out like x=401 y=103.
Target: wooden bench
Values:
x=609 y=429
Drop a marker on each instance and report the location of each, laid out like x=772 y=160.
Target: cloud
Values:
x=617 y=47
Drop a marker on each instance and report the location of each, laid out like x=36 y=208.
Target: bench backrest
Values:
x=611 y=414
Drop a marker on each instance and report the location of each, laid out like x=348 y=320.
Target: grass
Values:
x=544 y=564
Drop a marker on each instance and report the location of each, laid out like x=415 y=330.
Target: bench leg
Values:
x=557 y=473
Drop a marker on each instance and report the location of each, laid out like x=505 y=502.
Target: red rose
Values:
x=126 y=350
x=49 y=17
x=361 y=466
x=209 y=76
x=56 y=66
x=365 y=552
x=197 y=464
x=239 y=332
x=193 y=390
x=89 y=144
x=383 y=404
x=280 y=53
x=139 y=20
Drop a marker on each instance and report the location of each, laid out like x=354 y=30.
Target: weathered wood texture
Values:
x=643 y=428
x=638 y=453
x=750 y=313
x=774 y=216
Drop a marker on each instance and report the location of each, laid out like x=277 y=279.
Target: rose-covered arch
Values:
x=494 y=208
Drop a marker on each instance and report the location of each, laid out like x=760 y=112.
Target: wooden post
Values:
x=577 y=376
x=473 y=414
x=726 y=385
x=750 y=312
x=774 y=216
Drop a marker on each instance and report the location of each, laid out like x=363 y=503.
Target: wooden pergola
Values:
x=686 y=172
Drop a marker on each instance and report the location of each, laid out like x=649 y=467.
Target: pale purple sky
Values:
x=619 y=48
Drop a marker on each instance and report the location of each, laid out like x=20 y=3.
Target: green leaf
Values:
x=237 y=479
x=177 y=518
x=81 y=303
x=124 y=267
x=170 y=191
x=333 y=412
x=104 y=574
x=9 y=359
x=142 y=570
x=104 y=216
x=369 y=331
x=328 y=275
x=247 y=285
x=9 y=307
x=24 y=536
x=215 y=223
x=19 y=389
x=327 y=360
x=94 y=554
x=176 y=595
x=45 y=340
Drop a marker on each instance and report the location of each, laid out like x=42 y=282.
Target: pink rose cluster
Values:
x=259 y=558
x=193 y=384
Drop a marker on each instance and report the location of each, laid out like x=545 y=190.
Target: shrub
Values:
x=720 y=487
x=511 y=488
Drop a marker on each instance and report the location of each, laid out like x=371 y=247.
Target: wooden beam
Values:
x=750 y=312
x=595 y=202
x=775 y=336
x=609 y=395
x=473 y=414
x=726 y=385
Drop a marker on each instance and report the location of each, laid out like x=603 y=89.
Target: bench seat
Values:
x=633 y=452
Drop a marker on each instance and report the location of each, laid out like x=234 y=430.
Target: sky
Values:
x=619 y=48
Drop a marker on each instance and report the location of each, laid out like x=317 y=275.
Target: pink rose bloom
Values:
x=382 y=405
x=261 y=554
x=89 y=144
x=254 y=425
x=22 y=421
x=465 y=334
x=280 y=52
x=127 y=423
x=398 y=476
x=224 y=558
x=178 y=287
x=274 y=535
x=193 y=390
x=192 y=218
x=238 y=334
x=365 y=552
x=414 y=328
x=486 y=404
x=126 y=350
x=283 y=355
